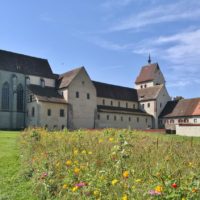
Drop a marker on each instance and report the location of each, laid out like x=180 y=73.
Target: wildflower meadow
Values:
x=110 y=164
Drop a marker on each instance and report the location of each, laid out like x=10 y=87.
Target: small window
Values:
x=133 y=106
x=55 y=127
x=98 y=116
x=142 y=106
x=129 y=119
x=103 y=101
x=195 y=120
x=171 y=121
x=111 y=103
x=160 y=105
x=141 y=86
x=148 y=105
x=146 y=120
x=42 y=82
x=138 y=119
x=77 y=94
x=62 y=127
x=33 y=112
x=115 y=118
x=49 y=112
x=122 y=118
x=145 y=86
x=126 y=105
x=107 y=117
x=62 y=114
x=118 y=103
x=46 y=126
x=88 y=96
x=31 y=98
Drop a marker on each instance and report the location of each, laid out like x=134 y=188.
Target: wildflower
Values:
x=174 y=185
x=159 y=189
x=57 y=164
x=90 y=152
x=75 y=152
x=194 y=190
x=96 y=193
x=68 y=163
x=154 y=192
x=44 y=174
x=138 y=180
x=100 y=140
x=65 y=186
x=111 y=139
x=81 y=184
x=125 y=197
x=76 y=170
x=114 y=182
x=125 y=174
x=84 y=152
x=74 y=189
x=190 y=164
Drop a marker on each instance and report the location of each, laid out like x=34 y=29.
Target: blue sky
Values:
x=111 y=38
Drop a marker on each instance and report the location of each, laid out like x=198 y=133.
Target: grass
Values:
x=12 y=185
x=111 y=164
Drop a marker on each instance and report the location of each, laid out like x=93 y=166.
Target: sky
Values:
x=111 y=38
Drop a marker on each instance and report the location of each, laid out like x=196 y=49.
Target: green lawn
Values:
x=12 y=185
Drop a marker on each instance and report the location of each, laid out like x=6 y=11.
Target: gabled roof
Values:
x=46 y=94
x=112 y=109
x=147 y=73
x=182 y=108
x=65 y=79
x=115 y=92
x=149 y=93
x=19 y=63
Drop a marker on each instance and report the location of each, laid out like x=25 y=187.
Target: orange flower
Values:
x=125 y=174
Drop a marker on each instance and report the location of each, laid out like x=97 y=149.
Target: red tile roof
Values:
x=147 y=73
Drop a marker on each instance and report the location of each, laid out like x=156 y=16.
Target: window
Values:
x=88 y=96
x=118 y=103
x=62 y=114
x=138 y=119
x=115 y=118
x=126 y=105
x=111 y=103
x=171 y=121
x=148 y=105
x=77 y=94
x=142 y=106
x=160 y=105
x=103 y=101
x=133 y=106
x=27 y=80
x=107 y=117
x=146 y=120
x=20 y=98
x=195 y=120
x=129 y=119
x=31 y=98
x=49 y=112
x=5 y=97
x=145 y=85
x=122 y=118
x=42 y=82
x=98 y=116
x=63 y=126
x=33 y=112
x=141 y=86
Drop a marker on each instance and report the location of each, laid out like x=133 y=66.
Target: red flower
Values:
x=174 y=185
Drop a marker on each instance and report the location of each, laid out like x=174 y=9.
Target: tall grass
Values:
x=111 y=164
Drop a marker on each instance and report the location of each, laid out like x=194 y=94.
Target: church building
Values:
x=31 y=95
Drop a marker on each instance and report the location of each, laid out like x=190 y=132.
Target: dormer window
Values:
x=42 y=82
x=142 y=97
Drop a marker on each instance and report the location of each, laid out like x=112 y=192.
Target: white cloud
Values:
x=160 y=14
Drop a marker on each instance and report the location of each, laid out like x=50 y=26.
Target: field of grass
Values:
x=111 y=164
x=12 y=185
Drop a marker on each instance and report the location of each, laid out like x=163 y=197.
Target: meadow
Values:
x=110 y=164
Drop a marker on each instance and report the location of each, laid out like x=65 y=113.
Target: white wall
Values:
x=35 y=80
x=188 y=130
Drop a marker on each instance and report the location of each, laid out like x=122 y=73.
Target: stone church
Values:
x=31 y=95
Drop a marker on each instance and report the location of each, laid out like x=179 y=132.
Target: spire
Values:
x=149 y=60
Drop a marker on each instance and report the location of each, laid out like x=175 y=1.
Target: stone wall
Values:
x=188 y=130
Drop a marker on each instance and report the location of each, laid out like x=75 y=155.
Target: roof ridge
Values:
x=75 y=69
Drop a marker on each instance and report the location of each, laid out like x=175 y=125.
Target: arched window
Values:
x=20 y=98
x=5 y=96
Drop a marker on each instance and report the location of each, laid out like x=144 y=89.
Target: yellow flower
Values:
x=90 y=152
x=111 y=139
x=138 y=180
x=75 y=151
x=125 y=197
x=84 y=152
x=68 y=163
x=125 y=174
x=96 y=193
x=114 y=182
x=159 y=189
x=190 y=164
x=100 y=140
x=65 y=186
x=76 y=170
x=183 y=198
x=57 y=164
x=74 y=189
